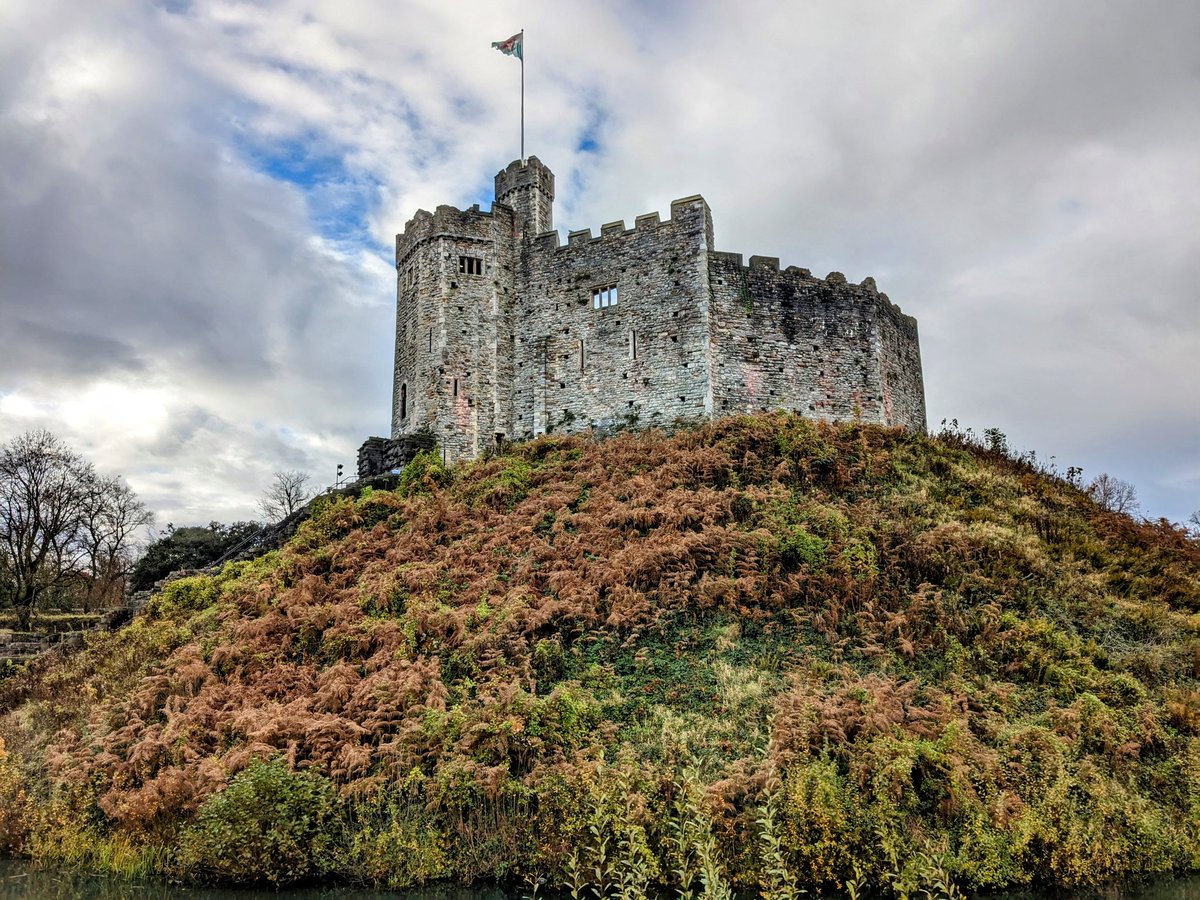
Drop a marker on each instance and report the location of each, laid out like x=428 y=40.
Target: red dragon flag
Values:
x=515 y=46
x=512 y=47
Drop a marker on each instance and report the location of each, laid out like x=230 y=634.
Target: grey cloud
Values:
x=1022 y=177
x=32 y=346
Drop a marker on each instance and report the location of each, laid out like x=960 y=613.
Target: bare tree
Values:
x=1113 y=494
x=112 y=515
x=287 y=493
x=44 y=489
x=64 y=530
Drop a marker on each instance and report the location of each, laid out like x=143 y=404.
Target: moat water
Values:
x=21 y=879
x=24 y=880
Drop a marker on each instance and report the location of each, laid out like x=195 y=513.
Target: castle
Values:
x=504 y=334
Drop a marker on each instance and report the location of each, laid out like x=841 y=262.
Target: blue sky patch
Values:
x=595 y=123
x=339 y=199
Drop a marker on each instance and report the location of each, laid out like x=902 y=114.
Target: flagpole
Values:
x=522 y=95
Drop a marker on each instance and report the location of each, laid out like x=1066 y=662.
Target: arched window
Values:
x=404 y=401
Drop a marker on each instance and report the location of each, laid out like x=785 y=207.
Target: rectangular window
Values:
x=604 y=297
x=582 y=357
x=633 y=345
x=470 y=265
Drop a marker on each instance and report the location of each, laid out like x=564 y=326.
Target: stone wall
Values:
x=380 y=456
x=642 y=360
x=788 y=340
x=498 y=335
x=900 y=355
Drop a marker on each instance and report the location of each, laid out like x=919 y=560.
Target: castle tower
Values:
x=527 y=186
x=453 y=337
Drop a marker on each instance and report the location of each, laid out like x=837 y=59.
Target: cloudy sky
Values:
x=198 y=201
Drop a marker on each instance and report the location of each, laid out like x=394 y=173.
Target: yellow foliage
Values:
x=16 y=809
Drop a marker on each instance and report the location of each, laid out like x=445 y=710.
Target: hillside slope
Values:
x=758 y=653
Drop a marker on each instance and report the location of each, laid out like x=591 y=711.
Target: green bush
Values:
x=820 y=821
x=505 y=487
x=399 y=851
x=16 y=807
x=185 y=595
x=800 y=548
x=270 y=824
x=424 y=473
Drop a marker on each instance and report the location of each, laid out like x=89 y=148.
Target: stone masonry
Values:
x=503 y=333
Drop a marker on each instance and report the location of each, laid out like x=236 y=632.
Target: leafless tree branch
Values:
x=287 y=493
x=1113 y=494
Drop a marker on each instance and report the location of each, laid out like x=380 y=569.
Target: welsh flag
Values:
x=511 y=47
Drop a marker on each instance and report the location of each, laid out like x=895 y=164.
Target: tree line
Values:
x=71 y=537
x=65 y=530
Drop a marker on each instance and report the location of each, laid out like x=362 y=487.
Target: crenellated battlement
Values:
x=683 y=212
x=526 y=187
x=447 y=221
x=517 y=331
x=770 y=266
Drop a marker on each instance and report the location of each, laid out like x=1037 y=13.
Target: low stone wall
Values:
x=22 y=646
x=382 y=456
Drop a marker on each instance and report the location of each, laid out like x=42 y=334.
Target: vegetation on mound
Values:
x=762 y=655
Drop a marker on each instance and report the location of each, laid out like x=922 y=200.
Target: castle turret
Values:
x=527 y=186
x=453 y=332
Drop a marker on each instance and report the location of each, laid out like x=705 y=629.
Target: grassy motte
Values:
x=763 y=654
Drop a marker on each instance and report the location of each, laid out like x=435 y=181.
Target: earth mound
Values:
x=761 y=654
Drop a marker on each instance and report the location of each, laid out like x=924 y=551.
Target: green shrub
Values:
x=270 y=824
x=424 y=474
x=16 y=806
x=399 y=851
x=798 y=547
x=819 y=822
x=185 y=595
x=505 y=487
x=548 y=661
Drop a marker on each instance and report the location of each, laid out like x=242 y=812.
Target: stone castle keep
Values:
x=503 y=334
